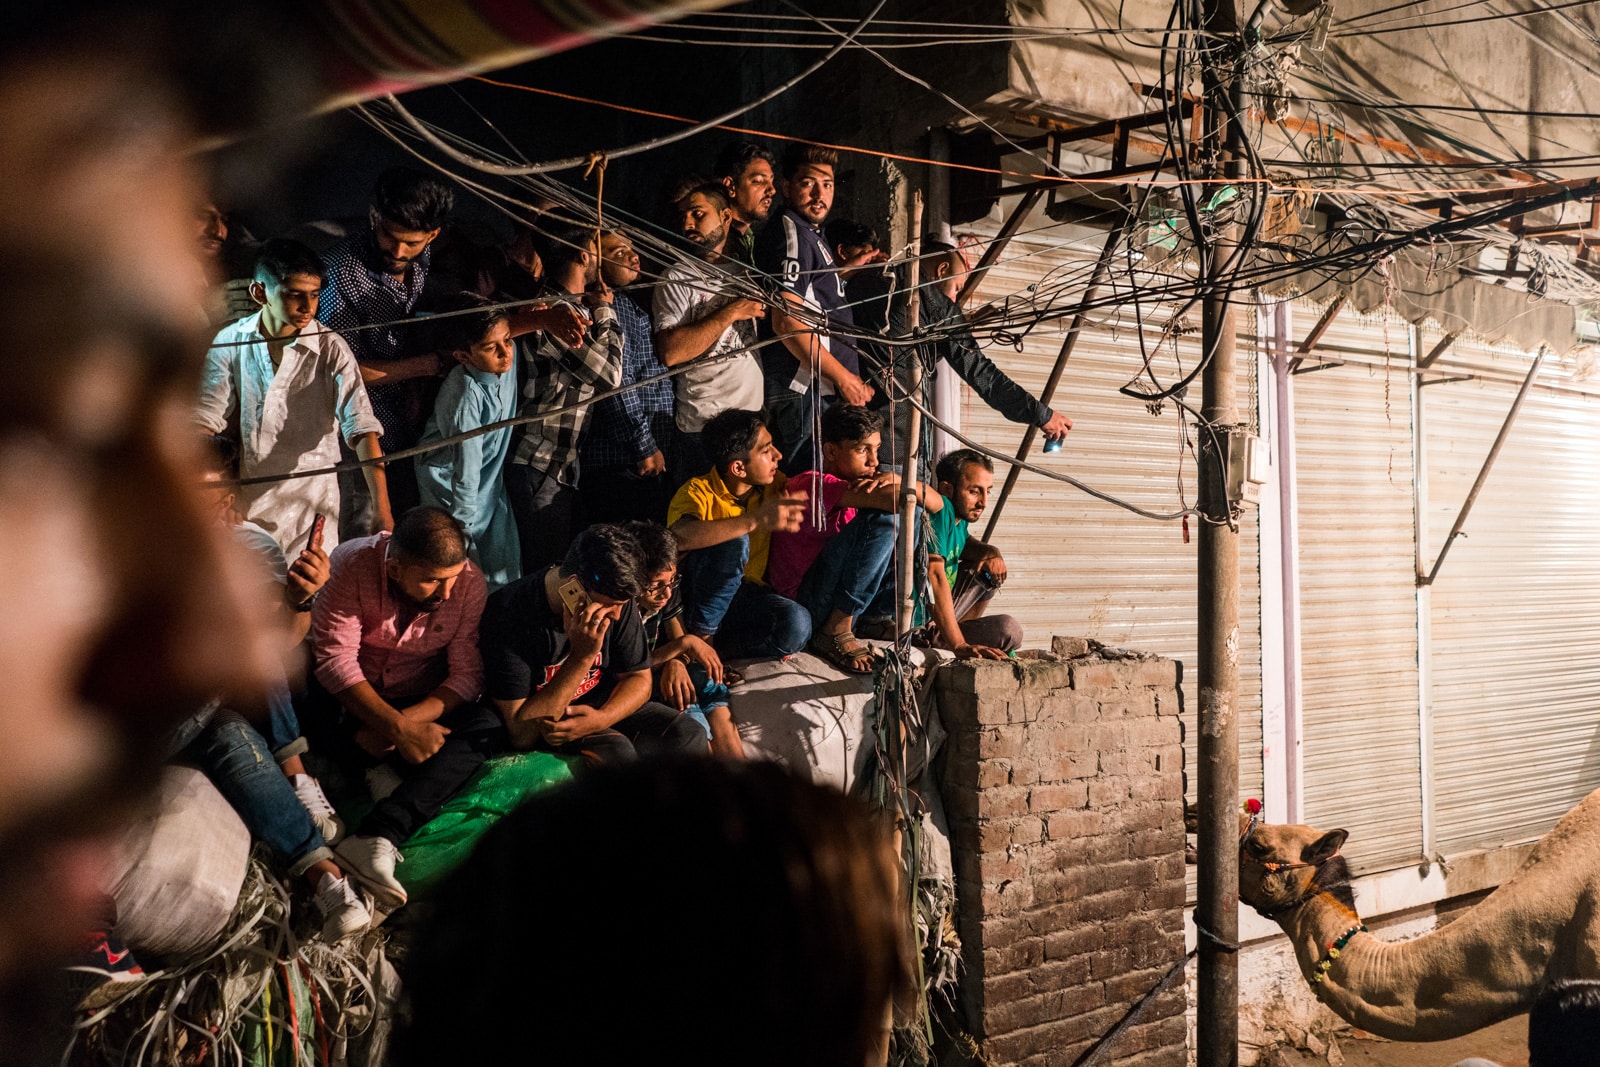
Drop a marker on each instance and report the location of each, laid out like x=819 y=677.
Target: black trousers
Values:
x=546 y=512
x=476 y=733
x=617 y=494
x=652 y=731
x=789 y=422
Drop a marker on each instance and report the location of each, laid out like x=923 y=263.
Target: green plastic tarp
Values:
x=498 y=787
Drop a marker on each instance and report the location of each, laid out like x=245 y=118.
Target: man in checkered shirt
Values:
x=373 y=277
x=542 y=477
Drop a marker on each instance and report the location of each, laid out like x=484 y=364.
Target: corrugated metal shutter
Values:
x=1516 y=607
x=1362 y=744
x=1086 y=568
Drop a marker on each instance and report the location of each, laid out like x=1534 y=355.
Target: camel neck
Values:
x=1459 y=978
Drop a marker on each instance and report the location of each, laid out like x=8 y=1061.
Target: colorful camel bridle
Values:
x=1331 y=951
x=1253 y=808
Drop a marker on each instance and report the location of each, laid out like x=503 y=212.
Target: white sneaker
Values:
x=371 y=860
x=381 y=781
x=315 y=801
x=344 y=910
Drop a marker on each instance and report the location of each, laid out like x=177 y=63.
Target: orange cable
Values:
x=1006 y=173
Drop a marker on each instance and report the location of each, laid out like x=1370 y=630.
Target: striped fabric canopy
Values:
x=376 y=48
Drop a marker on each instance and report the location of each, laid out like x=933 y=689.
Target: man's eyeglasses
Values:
x=659 y=589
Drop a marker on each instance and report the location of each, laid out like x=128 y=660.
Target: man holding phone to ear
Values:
x=566 y=661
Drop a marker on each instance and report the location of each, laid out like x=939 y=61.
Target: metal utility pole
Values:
x=1217 y=909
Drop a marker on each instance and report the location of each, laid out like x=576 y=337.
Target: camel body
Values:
x=1489 y=964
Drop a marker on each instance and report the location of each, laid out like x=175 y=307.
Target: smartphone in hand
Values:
x=314 y=535
x=573 y=595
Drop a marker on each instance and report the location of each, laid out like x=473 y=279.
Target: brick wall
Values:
x=1063 y=784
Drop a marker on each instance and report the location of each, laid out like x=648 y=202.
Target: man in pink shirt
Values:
x=394 y=638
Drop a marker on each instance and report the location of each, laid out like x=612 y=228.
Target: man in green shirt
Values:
x=964 y=573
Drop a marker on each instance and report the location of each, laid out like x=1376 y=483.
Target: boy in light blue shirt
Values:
x=464 y=478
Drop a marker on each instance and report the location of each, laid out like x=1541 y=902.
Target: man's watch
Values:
x=305 y=605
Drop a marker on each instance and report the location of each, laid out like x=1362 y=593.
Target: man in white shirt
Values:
x=294 y=388
x=701 y=318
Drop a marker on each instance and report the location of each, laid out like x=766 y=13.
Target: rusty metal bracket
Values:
x=1310 y=343
x=1438 y=350
x=997 y=246
x=1483 y=472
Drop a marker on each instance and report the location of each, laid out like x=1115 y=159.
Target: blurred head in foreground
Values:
x=717 y=913
x=1564 y=1025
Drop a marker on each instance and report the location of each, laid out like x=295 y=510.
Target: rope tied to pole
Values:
x=597 y=167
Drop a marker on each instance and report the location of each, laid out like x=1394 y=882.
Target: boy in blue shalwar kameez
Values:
x=464 y=479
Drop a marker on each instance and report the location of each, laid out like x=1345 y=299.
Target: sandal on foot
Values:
x=844 y=651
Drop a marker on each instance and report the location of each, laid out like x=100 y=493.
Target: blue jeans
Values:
x=283 y=725
x=852 y=573
x=239 y=763
x=281 y=733
x=711 y=577
x=754 y=621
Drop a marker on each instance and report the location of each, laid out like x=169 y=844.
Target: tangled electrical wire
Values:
x=1210 y=222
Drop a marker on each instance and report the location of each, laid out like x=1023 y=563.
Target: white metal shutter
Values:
x=1083 y=567
x=1516 y=606
x=1360 y=725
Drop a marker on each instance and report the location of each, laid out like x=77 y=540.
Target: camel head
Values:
x=1283 y=865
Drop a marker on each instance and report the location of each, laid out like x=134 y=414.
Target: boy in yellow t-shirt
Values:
x=724 y=520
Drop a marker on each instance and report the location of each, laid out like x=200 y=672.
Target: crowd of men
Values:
x=701 y=477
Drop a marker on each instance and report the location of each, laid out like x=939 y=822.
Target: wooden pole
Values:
x=907 y=546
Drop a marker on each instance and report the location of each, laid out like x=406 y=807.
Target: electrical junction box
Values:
x=1247 y=467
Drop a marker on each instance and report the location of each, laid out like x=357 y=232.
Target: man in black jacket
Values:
x=943 y=270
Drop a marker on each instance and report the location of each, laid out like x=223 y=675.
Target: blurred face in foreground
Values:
x=125 y=608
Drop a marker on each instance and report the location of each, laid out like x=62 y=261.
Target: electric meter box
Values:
x=1247 y=467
